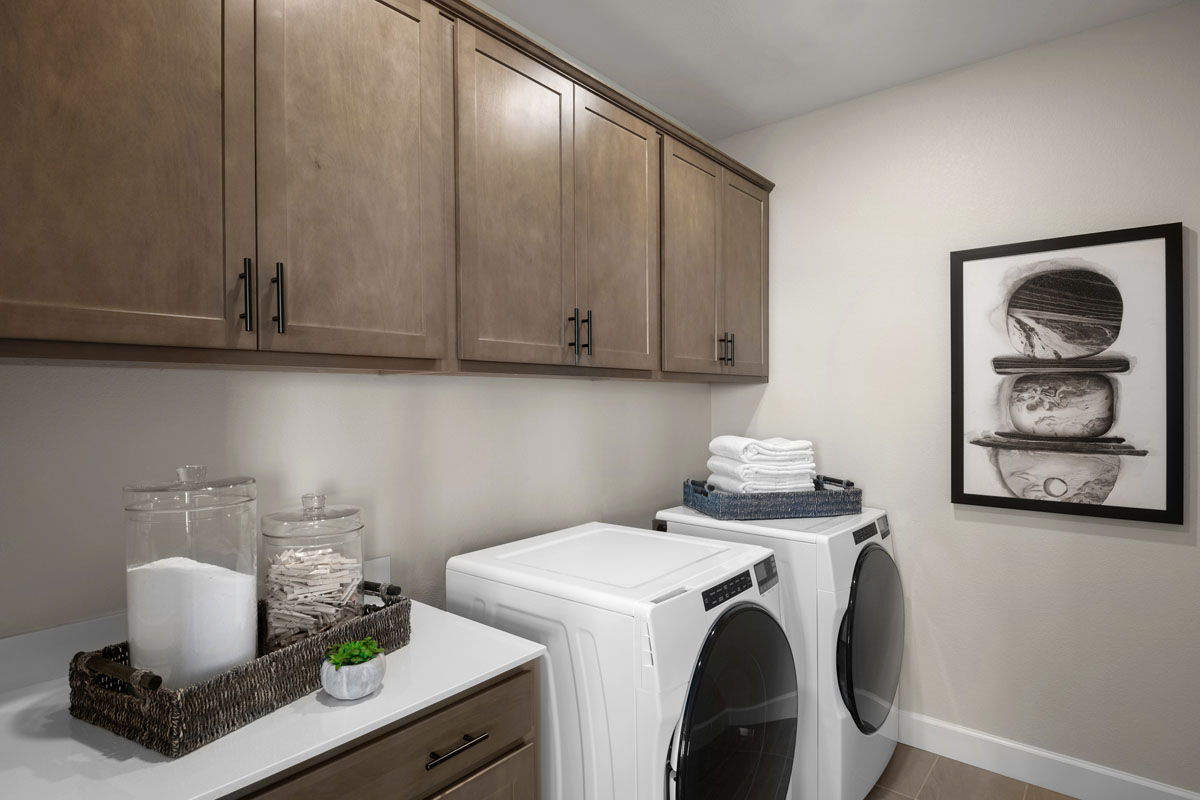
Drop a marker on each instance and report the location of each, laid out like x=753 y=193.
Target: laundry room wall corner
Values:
x=1067 y=635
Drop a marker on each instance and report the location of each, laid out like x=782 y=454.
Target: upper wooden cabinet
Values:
x=691 y=290
x=126 y=171
x=616 y=234
x=355 y=176
x=714 y=267
x=515 y=203
x=303 y=178
x=744 y=275
x=558 y=194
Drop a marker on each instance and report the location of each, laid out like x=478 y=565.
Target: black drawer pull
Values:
x=724 y=342
x=278 y=281
x=247 y=295
x=731 y=361
x=468 y=742
x=588 y=322
x=574 y=345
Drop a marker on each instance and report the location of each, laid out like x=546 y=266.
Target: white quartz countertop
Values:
x=44 y=752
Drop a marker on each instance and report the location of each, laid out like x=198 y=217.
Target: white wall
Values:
x=1075 y=635
x=439 y=465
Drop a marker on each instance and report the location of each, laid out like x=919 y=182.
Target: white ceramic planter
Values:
x=354 y=680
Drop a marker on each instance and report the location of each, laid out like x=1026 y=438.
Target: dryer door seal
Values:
x=871 y=639
x=738 y=734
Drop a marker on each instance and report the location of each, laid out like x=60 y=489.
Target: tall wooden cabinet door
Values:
x=691 y=309
x=126 y=171
x=355 y=163
x=515 y=205
x=616 y=234
x=744 y=274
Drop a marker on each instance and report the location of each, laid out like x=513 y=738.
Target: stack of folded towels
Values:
x=744 y=465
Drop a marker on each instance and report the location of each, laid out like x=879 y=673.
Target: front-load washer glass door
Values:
x=737 y=739
x=871 y=639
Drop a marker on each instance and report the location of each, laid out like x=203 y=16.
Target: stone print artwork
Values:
x=1062 y=401
x=1064 y=313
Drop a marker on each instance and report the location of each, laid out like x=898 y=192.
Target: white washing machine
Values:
x=843 y=611
x=668 y=674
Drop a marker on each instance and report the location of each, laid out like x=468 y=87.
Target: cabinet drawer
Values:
x=514 y=777
x=394 y=765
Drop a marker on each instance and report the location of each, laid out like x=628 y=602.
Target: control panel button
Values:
x=723 y=592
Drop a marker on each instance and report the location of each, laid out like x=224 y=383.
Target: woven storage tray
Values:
x=771 y=505
x=177 y=721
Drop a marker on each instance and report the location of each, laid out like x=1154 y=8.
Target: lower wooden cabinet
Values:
x=482 y=745
x=513 y=777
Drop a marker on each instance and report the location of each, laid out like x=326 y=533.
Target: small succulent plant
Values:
x=348 y=653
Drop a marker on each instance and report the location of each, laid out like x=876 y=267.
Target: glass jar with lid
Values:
x=191 y=579
x=313 y=571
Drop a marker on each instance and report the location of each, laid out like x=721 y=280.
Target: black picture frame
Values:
x=1173 y=388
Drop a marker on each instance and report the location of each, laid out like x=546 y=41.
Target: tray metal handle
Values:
x=388 y=592
x=821 y=481
x=140 y=680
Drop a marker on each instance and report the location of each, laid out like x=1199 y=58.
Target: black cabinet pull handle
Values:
x=732 y=351
x=574 y=318
x=588 y=322
x=724 y=342
x=247 y=296
x=278 y=281
x=435 y=759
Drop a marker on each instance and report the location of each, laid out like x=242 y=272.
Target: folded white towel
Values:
x=763 y=473
x=765 y=451
x=728 y=484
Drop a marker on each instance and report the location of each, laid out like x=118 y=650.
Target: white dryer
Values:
x=843 y=611
x=668 y=674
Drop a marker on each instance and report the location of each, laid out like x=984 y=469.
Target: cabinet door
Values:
x=127 y=171
x=616 y=233
x=691 y=260
x=744 y=274
x=516 y=205
x=514 y=777
x=355 y=167
x=403 y=764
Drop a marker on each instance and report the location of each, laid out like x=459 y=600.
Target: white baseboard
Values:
x=1053 y=771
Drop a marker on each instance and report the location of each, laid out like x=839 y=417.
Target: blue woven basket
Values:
x=771 y=505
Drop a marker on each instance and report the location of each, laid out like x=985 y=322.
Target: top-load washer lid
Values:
x=609 y=566
x=613 y=556
x=737 y=738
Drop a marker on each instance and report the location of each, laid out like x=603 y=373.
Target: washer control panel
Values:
x=767 y=574
x=725 y=591
x=864 y=533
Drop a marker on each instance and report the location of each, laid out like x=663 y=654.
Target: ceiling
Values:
x=724 y=66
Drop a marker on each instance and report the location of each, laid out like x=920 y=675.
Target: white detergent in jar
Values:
x=189 y=620
x=191 y=575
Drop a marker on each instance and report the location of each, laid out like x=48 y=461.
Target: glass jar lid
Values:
x=313 y=518
x=193 y=491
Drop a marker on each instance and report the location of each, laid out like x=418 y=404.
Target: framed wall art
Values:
x=1067 y=375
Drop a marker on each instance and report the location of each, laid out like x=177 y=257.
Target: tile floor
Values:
x=919 y=775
